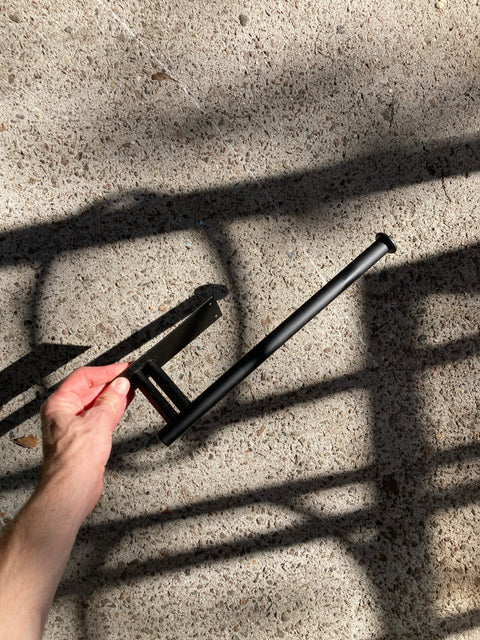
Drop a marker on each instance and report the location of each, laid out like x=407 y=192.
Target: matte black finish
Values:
x=167 y=385
x=148 y=367
x=177 y=339
x=383 y=244
x=153 y=395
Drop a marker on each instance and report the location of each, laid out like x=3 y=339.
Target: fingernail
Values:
x=121 y=385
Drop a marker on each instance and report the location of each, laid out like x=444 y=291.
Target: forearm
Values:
x=33 y=554
x=77 y=425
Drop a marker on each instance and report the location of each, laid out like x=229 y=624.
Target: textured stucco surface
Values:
x=335 y=493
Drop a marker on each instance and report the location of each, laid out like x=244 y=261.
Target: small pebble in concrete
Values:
x=243 y=19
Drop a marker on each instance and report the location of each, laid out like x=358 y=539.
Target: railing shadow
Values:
x=398 y=554
x=141 y=213
x=396 y=558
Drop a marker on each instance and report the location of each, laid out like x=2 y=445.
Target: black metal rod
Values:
x=383 y=244
x=167 y=385
x=154 y=396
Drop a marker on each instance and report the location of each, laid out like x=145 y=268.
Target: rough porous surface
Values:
x=156 y=153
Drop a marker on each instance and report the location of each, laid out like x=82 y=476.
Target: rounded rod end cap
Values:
x=392 y=247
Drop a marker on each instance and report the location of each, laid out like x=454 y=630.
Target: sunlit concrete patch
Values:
x=464 y=310
x=449 y=406
x=295 y=591
x=454 y=539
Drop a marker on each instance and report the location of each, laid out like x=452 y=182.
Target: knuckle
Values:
x=109 y=400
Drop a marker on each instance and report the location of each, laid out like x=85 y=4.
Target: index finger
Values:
x=88 y=377
x=82 y=386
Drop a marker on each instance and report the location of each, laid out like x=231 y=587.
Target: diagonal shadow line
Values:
x=463 y=453
x=449 y=353
x=381 y=171
x=459 y=496
x=282 y=493
x=458 y=623
x=446 y=627
x=320 y=527
x=454 y=624
x=456 y=271
x=43 y=360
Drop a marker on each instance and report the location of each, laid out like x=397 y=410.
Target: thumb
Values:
x=111 y=402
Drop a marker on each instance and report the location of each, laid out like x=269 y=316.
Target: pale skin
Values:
x=78 y=421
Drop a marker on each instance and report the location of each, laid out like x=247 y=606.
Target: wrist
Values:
x=69 y=497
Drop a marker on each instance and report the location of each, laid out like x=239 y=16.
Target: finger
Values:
x=82 y=386
x=109 y=406
x=91 y=377
x=97 y=378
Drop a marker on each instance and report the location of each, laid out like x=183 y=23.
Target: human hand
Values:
x=78 y=420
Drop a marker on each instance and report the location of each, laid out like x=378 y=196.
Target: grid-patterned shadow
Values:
x=397 y=558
